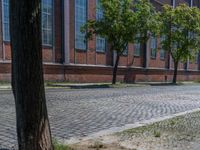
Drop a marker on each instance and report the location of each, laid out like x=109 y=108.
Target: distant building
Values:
x=67 y=57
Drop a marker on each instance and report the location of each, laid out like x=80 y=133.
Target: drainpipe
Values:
x=173 y=2
x=191 y=3
x=62 y=31
x=168 y=66
x=186 y=67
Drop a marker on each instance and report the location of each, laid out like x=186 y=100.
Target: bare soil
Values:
x=180 y=133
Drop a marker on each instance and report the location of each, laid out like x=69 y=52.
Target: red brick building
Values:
x=67 y=57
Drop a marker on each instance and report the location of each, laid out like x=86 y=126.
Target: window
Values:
x=99 y=10
x=47 y=20
x=80 y=20
x=162 y=54
x=174 y=46
x=137 y=45
x=197 y=58
x=193 y=59
x=6 y=32
x=153 y=47
x=125 y=52
x=137 y=49
x=100 y=42
x=162 y=51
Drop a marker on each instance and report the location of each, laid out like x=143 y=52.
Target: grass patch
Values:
x=97 y=146
x=177 y=125
x=139 y=130
x=156 y=133
x=5 y=82
x=58 y=146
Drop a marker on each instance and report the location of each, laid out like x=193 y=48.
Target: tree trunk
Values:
x=175 y=72
x=115 y=69
x=33 y=128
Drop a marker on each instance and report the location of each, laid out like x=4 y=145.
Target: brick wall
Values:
x=58 y=31
x=92 y=66
x=48 y=51
x=178 y=2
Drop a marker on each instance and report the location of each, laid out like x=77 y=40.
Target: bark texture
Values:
x=175 y=72
x=33 y=128
x=115 y=69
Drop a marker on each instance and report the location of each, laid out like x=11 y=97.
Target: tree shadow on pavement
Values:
x=166 y=84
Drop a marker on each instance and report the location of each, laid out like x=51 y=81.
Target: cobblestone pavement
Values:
x=77 y=113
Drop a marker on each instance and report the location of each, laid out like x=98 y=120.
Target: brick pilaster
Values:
x=59 y=58
x=91 y=51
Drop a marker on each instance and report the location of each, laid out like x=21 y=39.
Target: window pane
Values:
x=162 y=51
x=100 y=42
x=99 y=10
x=6 y=32
x=153 y=47
x=80 y=19
x=137 y=49
x=125 y=52
x=137 y=46
x=197 y=58
x=47 y=20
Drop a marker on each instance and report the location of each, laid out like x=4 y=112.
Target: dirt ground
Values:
x=180 y=133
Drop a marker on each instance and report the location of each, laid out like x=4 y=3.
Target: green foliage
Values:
x=156 y=133
x=181 y=30
x=122 y=21
x=147 y=22
x=58 y=146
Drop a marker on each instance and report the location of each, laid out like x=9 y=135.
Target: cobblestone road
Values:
x=77 y=113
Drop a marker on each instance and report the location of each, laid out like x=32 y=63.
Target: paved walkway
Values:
x=78 y=113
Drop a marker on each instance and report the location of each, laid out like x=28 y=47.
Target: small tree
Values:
x=181 y=30
x=120 y=24
x=148 y=23
x=117 y=26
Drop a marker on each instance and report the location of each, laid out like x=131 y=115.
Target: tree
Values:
x=148 y=24
x=33 y=128
x=181 y=30
x=120 y=25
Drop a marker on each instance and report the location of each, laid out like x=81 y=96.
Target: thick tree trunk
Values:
x=33 y=128
x=175 y=72
x=115 y=69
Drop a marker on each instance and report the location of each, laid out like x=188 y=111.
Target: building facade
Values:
x=67 y=57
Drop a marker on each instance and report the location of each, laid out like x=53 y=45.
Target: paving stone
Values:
x=82 y=112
